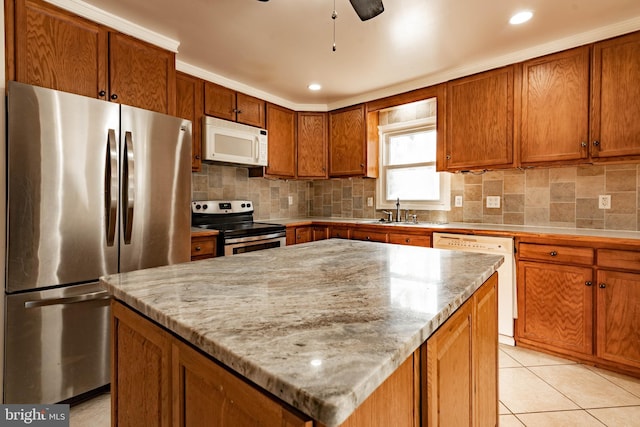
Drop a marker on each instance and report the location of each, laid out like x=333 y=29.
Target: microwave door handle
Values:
x=128 y=187
x=111 y=187
x=256 y=144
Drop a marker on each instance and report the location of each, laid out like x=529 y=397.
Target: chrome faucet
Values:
x=398 y=210
x=389 y=215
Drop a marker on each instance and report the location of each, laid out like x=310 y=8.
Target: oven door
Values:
x=241 y=245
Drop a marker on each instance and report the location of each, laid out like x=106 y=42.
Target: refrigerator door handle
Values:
x=128 y=187
x=111 y=186
x=92 y=296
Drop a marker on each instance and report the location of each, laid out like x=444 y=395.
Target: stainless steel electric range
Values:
x=239 y=233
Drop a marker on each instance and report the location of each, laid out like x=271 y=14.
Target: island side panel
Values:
x=460 y=364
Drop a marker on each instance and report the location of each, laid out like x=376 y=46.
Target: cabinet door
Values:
x=555 y=306
x=141 y=75
x=209 y=395
x=449 y=368
x=281 y=128
x=190 y=105
x=58 y=50
x=203 y=247
x=219 y=101
x=304 y=234
x=555 y=107
x=615 y=128
x=371 y=236
x=312 y=145
x=347 y=141
x=485 y=349
x=338 y=232
x=320 y=232
x=141 y=361
x=618 y=317
x=479 y=121
x=250 y=110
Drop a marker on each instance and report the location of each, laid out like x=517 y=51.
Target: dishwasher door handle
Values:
x=91 y=296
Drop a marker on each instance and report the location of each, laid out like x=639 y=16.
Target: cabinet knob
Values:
x=407 y=240
x=114 y=96
x=583 y=144
x=361 y=165
x=197 y=157
x=553 y=253
x=198 y=248
x=102 y=93
x=588 y=283
x=596 y=143
x=368 y=238
x=448 y=156
x=602 y=285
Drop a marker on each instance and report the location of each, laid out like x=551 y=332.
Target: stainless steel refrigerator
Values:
x=94 y=188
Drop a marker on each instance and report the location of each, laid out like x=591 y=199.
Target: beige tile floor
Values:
x=536 y=390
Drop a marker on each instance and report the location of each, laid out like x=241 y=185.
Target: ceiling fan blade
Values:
x=367 y=9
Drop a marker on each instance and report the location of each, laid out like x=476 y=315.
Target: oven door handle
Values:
x=254 y=238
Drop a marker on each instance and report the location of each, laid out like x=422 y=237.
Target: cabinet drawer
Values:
x=202 y=247
x=410 y=239
x=625 y=260
x=557 y=253
x=340 y=233
x=369 y=235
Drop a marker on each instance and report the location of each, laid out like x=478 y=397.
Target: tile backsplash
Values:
x=556 y=197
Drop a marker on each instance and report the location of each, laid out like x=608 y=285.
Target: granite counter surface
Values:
x=320 y=325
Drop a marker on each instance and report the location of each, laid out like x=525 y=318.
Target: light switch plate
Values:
x=369 y=201
x=458 y=201
x=493 y=202
x=290 y=200
x=604 y=202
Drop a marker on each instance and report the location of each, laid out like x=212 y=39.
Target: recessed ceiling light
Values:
x=314 y=86
x=521 y=17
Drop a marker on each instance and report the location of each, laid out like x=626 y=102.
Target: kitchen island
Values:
x=328 y=333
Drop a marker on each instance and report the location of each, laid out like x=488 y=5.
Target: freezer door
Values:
x=62 y=188
x=156 y=189
x=56 y=344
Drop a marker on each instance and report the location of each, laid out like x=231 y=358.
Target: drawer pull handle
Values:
x=553 y=253
x=588 y=283
x=407 y=240
x=198 y=248
x=602 y=285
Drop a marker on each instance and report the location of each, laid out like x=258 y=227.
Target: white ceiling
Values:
x=275 y=49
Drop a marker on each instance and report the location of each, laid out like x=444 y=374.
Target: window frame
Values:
x=444 y=203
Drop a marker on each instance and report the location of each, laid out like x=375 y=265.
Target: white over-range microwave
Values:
x=231 y=142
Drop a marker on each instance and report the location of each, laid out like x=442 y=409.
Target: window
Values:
x=408 y=167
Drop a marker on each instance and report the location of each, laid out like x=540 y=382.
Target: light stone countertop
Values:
x=320 y=325
x=460 y=227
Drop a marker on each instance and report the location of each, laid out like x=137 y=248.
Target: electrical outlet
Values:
x=604 y=202
x=290 y=200
x=369 y=201
x=458 y=201
x=493 y=202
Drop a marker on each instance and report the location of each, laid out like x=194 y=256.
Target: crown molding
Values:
x=110 y=20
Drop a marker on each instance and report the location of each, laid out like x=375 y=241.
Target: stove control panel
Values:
x=221 y=206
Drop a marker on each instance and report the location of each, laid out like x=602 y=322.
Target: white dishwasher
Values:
x=507 y=307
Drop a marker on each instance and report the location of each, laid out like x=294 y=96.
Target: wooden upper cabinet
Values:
x=141 y=75
x=615 y=128
x=59 y=50
x=250 y=110
x=55 y=49
x=228 y=104
x=312 y=145
x=219 y=101
x=479 y=121
x=281 y=128
x=348 y=141
x=555 y=108
x=190 y=105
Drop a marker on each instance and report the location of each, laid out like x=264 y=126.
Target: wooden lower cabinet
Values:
x=307 y=233
x=451 y=380
x=555 y=306
x=368 y=235
x=207 y=394
x=461 y=360
x=410 y=239
x=140 y=371
x=339 y=232
x=618 y=317
x=203 y=247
